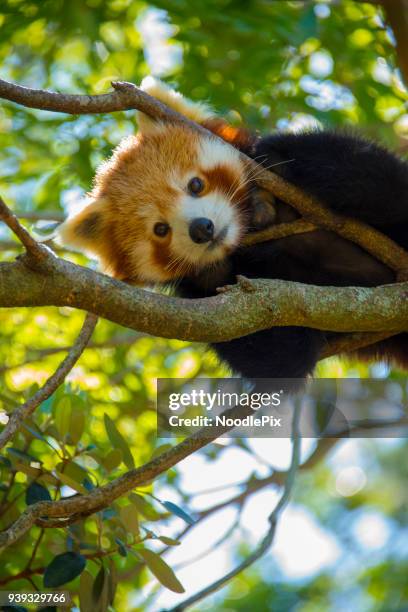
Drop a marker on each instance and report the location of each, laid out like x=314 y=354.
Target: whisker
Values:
x=257 y=171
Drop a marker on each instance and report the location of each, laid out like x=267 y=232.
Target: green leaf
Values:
x=63 y=413
x=99 y=589
x=169 y=541
x=121 y=547
x=128 y=516
x=77 y=425
x=21 y=455
x=174 y=509
x=64 y=568
x=112 y=459
x=35 y=433
x=144 y=507
x=73 y=475
x=85 y=592
x=118 y=441
x=70 y=417
x=36 y=492
x=112 y=581
x=161 y=570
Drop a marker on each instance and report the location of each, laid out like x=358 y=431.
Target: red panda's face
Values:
x=166 y=204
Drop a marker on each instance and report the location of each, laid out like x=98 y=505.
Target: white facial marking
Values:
x=213 y=152
x=219 y=210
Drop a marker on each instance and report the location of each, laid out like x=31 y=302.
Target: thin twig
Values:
x=23 y=412
x=41 y=215
x=347 y=343
x=114 y=342
x=273 y=521
x=300 y=226
x=37 y=250
x=35 y=548
x=28 y=571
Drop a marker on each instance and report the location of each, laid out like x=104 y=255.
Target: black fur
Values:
x=351 y=176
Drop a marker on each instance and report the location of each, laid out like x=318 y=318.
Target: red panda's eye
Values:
x=195 y=186
x=161 y=229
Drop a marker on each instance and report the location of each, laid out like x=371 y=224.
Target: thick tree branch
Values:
x=232 y=314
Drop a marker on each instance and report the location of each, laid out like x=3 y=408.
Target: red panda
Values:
x=173 y=205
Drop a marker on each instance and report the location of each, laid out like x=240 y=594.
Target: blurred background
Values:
x=343 y=541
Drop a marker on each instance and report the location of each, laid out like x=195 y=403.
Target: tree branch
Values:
x=36 y=250
x=347 y=343
x=374 y=242
x=300 y=226
x=41 y=215
x=233 y=314
x=80 y=506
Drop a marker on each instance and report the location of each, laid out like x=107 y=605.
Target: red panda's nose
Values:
x=201 y=230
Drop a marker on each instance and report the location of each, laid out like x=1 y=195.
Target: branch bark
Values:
x=230 y=315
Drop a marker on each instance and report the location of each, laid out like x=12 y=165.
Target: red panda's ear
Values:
x=86 y=229
x=196 y=111
x=239 y=138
